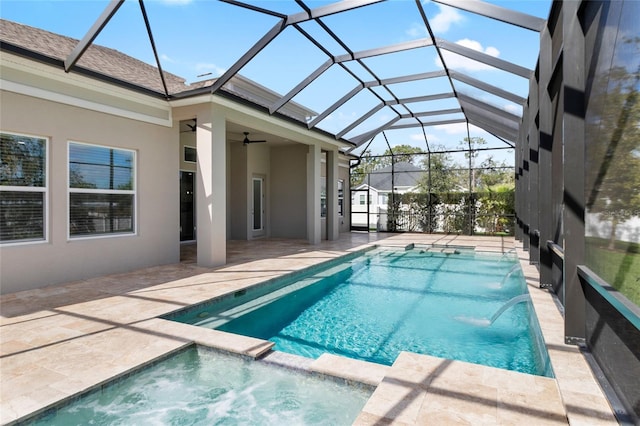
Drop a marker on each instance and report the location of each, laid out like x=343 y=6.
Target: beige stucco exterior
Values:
x=43 y=101
x=59 y=258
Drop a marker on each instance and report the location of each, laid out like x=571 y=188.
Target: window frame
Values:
x=134 y=192
x=340 y=198
x=184 y=154
x=44 y=190
x=323 y=197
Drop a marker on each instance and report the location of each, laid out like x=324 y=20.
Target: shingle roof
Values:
x=405 y=175
x=97 y=58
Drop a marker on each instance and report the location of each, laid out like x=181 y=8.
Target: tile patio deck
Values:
x=62 y=340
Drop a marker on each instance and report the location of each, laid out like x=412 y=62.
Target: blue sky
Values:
x=199 y=39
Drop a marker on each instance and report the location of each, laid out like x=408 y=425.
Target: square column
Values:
x=573 y=133
x=333 y=221
x=211 y=193
x=313 y=195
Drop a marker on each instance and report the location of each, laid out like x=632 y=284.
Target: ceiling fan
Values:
x=192 y=128
x=246 y=140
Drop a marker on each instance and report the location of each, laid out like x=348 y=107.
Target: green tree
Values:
x=472 y=145
x=438 y=178
x=400 y=154
x=361 y=167
x=614 y=183
x=496 y=207
x=491 y=173
x=21 y=160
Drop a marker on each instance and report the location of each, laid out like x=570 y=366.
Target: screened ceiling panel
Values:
x=370 y=122
x=359 y=70
x=472 y=33
x=350 y=111
x=287 y=60
x=384 y=93
x=378 y=24
x=326 y=89
x=489 y=98
x=413 y=62
x=428 y=119
x=410 y=88
x=447 y=101
x=317 y=32
x=444 y=69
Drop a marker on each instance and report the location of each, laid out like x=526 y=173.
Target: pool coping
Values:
x=583 y=397
x=399 y=397
x=283 y=281
x=279 y=360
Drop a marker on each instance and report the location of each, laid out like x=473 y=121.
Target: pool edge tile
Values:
x=235 y=343
x=350 y=369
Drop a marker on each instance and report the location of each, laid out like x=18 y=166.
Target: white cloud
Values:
x=440 y=23
x=202 y=68
x=452 y=129
x=447 y=16
x=492 y=51
x=166 y=58
x=417 y=30
x=459 y=62
x=420 y=137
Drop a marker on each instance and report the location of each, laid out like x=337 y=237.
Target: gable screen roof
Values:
x=100 y=59
x=385 y=79
x=404 y=175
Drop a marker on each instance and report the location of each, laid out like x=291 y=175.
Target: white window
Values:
x=23 y=188
x=102 y=190
x=340 y=197
x=190 y=154
x=363 y=199
x=323 y=196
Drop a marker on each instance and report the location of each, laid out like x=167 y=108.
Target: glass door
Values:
x=187 y=207
x=257 y=207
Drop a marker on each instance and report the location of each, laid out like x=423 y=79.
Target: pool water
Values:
x=203 y=387
x=388 y=301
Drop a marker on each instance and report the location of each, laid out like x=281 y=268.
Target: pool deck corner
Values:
x=59 y=341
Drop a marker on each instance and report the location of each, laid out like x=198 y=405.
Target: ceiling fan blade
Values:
x=246 y=140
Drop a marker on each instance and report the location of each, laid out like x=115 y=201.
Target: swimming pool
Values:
x=450 y=303
x=202 y=386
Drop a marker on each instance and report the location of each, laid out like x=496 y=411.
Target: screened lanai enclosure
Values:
x=513 y=118
x=430 y=192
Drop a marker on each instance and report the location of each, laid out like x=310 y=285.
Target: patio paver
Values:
x=62 y=340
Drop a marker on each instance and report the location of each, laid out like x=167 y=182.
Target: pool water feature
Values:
x=386 y=301
x=202 y=386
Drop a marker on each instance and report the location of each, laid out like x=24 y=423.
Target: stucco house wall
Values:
x=42 y=100
x=288 y=189
x=259 y=165
x=61 y=259
x=237 y=193
x=345 y=219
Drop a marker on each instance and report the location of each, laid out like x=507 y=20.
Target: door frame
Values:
x=261 y=231
x=193 y=204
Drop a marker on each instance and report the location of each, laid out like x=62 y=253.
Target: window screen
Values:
x=23 y=187
x=101 y=190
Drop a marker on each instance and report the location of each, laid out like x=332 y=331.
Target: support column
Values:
x=573 y=84
x=534 y=175
x=211 y=193
x=545 y=188
x=313 y=195
x=333 y=221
